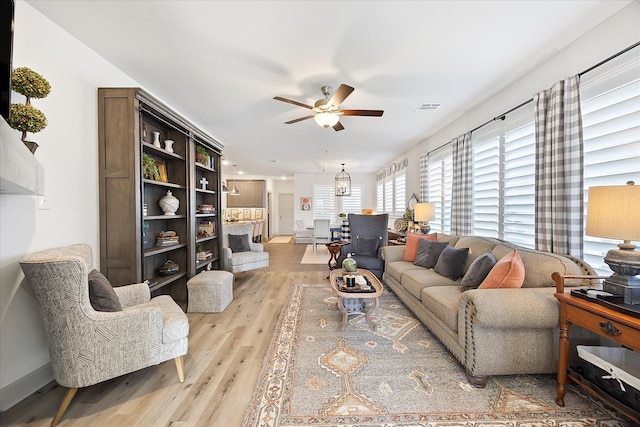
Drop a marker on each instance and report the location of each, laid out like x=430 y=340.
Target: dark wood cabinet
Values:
x=133 y=127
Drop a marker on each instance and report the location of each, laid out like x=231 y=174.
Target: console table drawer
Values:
x=623 y=334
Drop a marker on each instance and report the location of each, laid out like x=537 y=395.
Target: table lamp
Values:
x=613 y=212
x=422 y=214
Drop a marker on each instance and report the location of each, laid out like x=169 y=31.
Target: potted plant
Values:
x=27 y=118
x=149 y=168
x=202 y=156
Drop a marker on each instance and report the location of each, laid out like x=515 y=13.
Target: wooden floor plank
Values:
x=226 y=351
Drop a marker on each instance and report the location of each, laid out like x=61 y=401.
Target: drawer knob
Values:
x=609 y=329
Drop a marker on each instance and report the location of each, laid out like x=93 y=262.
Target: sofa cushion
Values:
x=101 y=294
x=507 y=273
x=478 y=271
x=367 y=245
x=451 y=262
x=411 y=248
x=428 y=253
x=419 y=278
x=396 y=269
x=239 y=243
x=443 y=302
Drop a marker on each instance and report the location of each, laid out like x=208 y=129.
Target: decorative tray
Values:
x=357 y=289
x=614 y=302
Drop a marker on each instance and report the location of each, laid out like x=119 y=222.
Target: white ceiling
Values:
x=220 y=63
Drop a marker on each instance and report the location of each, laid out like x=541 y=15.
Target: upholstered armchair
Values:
x=88 y=346
x=239 y=252
x=368 y=237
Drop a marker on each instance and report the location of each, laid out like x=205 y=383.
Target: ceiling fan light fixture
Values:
x=326 y=119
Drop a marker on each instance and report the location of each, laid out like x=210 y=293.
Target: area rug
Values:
x=398 y=375
x=280 y=239
x=321 y=257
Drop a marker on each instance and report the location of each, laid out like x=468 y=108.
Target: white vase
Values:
x=168 y=145
x=169 y=204
x=156 y=139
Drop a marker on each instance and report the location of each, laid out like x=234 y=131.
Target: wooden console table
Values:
x=614 y=325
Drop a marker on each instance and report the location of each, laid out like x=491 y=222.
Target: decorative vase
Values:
x=349 y=264
x=168 y=145
x=156 y=139
x=169 y=204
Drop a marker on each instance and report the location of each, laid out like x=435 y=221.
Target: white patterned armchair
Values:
x=248 y=256
x=88 y=346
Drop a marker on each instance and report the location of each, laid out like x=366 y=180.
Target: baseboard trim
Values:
x=25 y=386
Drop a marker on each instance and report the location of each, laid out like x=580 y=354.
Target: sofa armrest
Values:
x=393 y=253
x=256 y=247
x=131 y=295
x=533 y=308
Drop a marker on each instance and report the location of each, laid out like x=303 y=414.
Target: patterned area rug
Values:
x=398 y=375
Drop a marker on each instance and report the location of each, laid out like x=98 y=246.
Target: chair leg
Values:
x=66 y=400
x=180 y=366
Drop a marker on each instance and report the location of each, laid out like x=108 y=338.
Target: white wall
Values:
x=69 y=154
x=617 y=33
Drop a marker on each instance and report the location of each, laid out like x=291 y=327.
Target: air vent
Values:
x=428 y=106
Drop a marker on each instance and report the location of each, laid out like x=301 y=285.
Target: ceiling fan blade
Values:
x=340 y=95
x=298 y=120
x=338 y=126
x=290 y=101
x=373 y=113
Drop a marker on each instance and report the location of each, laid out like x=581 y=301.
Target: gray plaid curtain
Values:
x=559 y=169
x=462 y=186
x=424 y=181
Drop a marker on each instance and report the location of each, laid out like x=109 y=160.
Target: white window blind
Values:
x=324 y=202
x=400 y=184
x=439 y=180
x=388 y=195
x=352 y=203
x=610 y=103
x=504 y=179
x=380 y=196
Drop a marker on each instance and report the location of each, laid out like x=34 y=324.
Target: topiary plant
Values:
x=27 y=118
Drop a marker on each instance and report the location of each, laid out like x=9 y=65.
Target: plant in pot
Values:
x=27 y=118
x=149 y=168
x=202 y=156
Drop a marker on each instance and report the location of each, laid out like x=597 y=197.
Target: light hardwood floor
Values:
x=221 y=368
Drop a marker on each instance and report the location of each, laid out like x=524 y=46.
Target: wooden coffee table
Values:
x=347 y=297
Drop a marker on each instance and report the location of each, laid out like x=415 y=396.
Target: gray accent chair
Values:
x=88 y=346
x=237 y=262
x=365 y=231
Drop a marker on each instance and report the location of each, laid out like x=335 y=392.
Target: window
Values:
x=380 y=196
x=391 y=194
x=326 y=205
x=399 y=191
x=439 y=178
x=610 y=103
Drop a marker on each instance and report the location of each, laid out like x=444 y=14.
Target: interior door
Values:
x=285 y=214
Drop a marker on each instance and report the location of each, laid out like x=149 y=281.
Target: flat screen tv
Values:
x=6 y=52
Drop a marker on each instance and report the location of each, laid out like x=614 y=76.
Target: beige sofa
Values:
x=490 y=331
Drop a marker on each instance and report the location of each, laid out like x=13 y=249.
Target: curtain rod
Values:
x=503 y=115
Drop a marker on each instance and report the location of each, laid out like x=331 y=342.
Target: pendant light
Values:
x=224 y=187
x=234 y=191
x=343 y=183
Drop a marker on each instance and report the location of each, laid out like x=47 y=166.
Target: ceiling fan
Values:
x=326 y=111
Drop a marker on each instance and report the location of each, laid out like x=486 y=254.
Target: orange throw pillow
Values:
x=411 y=248
x=507 y=273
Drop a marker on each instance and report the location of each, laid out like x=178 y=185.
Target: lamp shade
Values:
x=424 y=212
x=613 y=212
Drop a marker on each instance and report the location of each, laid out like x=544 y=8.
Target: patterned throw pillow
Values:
x=101 y=294
x=451 y=262
x=411 y=248
x=478 y=271
x=507 y=273
x=239 y=243
x=429 y=252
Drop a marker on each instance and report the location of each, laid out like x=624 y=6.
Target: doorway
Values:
x=285 y=214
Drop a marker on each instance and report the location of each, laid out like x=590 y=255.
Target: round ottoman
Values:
x=210 y=291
